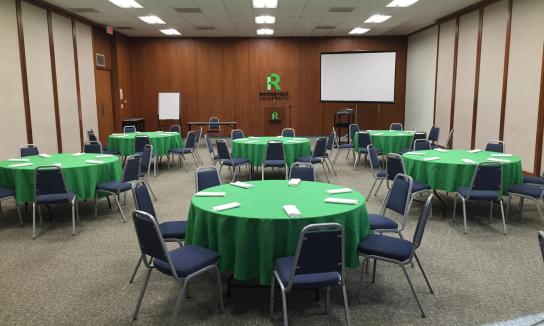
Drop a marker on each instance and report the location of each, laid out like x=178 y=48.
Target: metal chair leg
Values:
x=326 y=176
x=413 y=291
x=141 y=297
x=346 y=306
x=178 y=304
x=272 y=286
x=19 y=214
x=150 y=189
x=219 y=288
x=33 y=220
x=503 y=218
x=327 y=298
x=74 y=218
x=372 y=188
x=284 y=306
x=135 y=270
x=464 y=214
x=424 y=274
x=120 y=209
x=378 y=188
x=365 y=261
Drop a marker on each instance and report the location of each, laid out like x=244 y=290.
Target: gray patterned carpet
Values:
x=482 y=277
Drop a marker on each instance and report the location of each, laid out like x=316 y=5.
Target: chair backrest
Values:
x=213 y=124
x=396 y=126
x=175 y=128
x=49 y=180
x=206 y=177
x=29 y=150
x=449 y=142
x=320 y=249
x=320 y=147
x=393 y=165
x=139 y=143
x=131 y=171
x=222 y=149
x=541 y=242
x=433 y=134
x=416 y=136
x=274 y=150
x=352 y=129
x=331 y=139
x=421 y=224
x=91 y=135
x=236 y=134
x=398 y=197
x=190 y=140
x=302 y=171
x=288 y=132
x=374 y=160
x=487 y=176
x=363 y=139
x=92 y=147
x=495 y=146
x=422 y=145
x=145 y=158
x=209 y=143
x=129 y=129
x=198 y=136
x=142 y=199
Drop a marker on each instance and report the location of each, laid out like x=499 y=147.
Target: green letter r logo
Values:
x=273 y=80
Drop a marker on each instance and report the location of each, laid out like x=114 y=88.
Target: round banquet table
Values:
x=80 y=176
x=254 y=148
x=251 y=237
x=162 y=142
x=450 y=172
x=389 y=141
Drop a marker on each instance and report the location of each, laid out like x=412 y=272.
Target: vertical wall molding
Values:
x=454 y=83
x=54 y=79
x=435 y=72
x=505 y=69
x=22 y=55
x=477 y=78
x=540 y=122
x=79 y=114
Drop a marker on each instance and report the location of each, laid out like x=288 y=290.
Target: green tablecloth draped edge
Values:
x=161 y=142
x=251 y=237
x=391 y=141
x=255 y=152
x=80 y=177
x=450 y=172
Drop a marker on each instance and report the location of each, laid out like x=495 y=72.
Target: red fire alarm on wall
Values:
x=109 y=29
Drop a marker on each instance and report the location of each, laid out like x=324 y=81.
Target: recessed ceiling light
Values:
x=265 y=3
x=358 y=31
x=151 y=20
x=377 y=19
x=401 y=3
x=265 y=19
x=170 y=31
x=126 y=3
x=265 y=31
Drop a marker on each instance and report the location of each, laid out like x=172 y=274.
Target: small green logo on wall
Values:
x=276 y=94
x=273 y=80
x=275 y=116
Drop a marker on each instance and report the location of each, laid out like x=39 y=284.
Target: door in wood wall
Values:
x=104 y=104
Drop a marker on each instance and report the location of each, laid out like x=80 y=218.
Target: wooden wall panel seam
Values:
x=76 y=63
x=477 y=78
x=54 y=80
x=540 y=121
x=505 y=70
x=24 y=75
x=454 y=82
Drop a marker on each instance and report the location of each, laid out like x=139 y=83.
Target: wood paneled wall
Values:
x=223 y=78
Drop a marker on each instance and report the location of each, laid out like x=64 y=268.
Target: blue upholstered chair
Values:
x=225 y=158
x=146 y=159
x=129 y=129
x=50 y=188
x=377 y=173
x=182 y=264
x=434 y=133
x=171 y=231
x=91 y=137
x=236 y=134
x=318 y=263
x=486 y=185
x=449 y=141
x=175 y=128
x=213 y=126
x=533 y=179
x=363 y=140
x=380 y=247
x=394 y=164
x=415 y=137
x=318 y=155
x=189 y=148
x=139 y=143
x=352 y=130
x=396 y=126
x=131 y=174
x=213 y=156
x=29 y=150
x=331 y=140
x=206 y=177
x=92 y=147
x=422 y=145
x=302 y=171
x=288 y=132
x=198 y=139
x=274 y=157
x=524 y=191
x=495 y=146
x=7 y=194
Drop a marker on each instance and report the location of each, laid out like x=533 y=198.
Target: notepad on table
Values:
x=44 y=155
x=338 y=191
x=104 y=156
x=292 y=211
x=441 y=150
x=224 y=207
x=242 y=184
x=20 y=165
x=414 y=153
x=345 y=201
x=501 y=155
x=210 y=194
x=434 y=158
x=474 y=151
x=468 y=161
x=78 y=154
x=498 y=160
x=94 y=161
x=294 y=182
x=19 y=160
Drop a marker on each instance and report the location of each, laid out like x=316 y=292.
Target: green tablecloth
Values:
x=80 y=177
x=450 y=172
x=162 y=142
x=254 y=148
x=389 y=141
x=249 y=238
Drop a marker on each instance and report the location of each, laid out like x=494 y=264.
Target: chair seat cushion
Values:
x=384 y=246
x=533 y=179
x=235 y=161
x=418 y=186
x=525 y=189
x=380 y=222
x=55 y=198
x=173 y=229
x=5 y=192
x=479 y=194
x=284 y=267
x=274 y=163
x=364 y=150
x=309 y=159
x=345 y=146
x=113 y=185
x=381 y=174
x=187 y=260
x=179 y=150
x=109 y=151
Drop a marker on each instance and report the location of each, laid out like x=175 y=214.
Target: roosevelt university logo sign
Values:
x=273 y=89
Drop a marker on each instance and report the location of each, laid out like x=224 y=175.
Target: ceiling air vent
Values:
x=325 y=27
x=85 y=10
x=341 y=9
x=100 y=60
x=188 y=10
x=204 y=28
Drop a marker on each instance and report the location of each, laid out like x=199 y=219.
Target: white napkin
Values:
x=251 y=141
x=499 y=155
x=341 y=201
x=252 y=137
x=19 y=165
x=242 y=184
x=468 y=161
x=441 y=150
x=474 y=151
x=44 y=155
x=294 y=182
x=279 y=136
x=498 y=160
x=19 y=160
x=338 y=191
x=57 y=164
x=104 y=156
x=414 y=153
x=378 y=134
x=78 y=154
x=292 y=211
x=434 y=158
x=223 y=207
x=210 y=194
x=294 y=141
x=94 y=161
x=411 y=131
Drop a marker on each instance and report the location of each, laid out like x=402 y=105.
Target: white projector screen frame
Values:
x=358 y=76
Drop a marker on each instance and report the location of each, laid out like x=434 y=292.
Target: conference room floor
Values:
x=482 y=277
